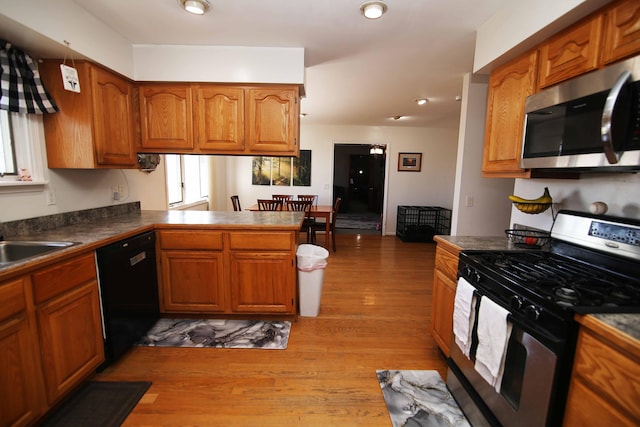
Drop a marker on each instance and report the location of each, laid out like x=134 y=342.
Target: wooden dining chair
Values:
x=313 y=198
x=316 y=226
x=283 y=197
x=303 y=206
x=236 y=203
x=269 y=205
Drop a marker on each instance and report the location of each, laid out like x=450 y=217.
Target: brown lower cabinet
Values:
x=21 y=373
x=230 y=272
x=444 y=292
x=605 y=382
x=50 y=337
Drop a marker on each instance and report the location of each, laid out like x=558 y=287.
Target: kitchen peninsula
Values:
x=210 y=264
x=241 y=252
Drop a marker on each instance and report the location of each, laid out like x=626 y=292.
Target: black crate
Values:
x=421 y=223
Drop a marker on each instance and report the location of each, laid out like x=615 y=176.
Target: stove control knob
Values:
x=472 y=274
x=532 y=312
x=516 y=302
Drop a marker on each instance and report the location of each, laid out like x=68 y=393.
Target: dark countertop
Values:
x=626 y=323
x=103 y=231
x=485 y=243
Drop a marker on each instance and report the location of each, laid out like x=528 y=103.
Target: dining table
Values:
x=317 y=211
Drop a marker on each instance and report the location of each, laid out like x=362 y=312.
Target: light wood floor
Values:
x=375 y=314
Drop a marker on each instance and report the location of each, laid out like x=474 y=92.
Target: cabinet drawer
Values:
x=53 y=281
x=191 y=240
x=612 y=374
x=12 y=297
x=261 y=241
x=447 y=263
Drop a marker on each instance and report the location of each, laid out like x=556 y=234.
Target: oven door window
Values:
x=514 y=366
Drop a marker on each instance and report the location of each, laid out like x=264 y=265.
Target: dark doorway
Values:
x=358 y=178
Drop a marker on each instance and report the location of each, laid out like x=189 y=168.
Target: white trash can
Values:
x=312 y=260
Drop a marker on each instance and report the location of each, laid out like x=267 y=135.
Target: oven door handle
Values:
x=529 y=327
x=526 y=326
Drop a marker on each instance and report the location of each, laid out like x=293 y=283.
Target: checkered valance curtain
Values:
x=22 y=89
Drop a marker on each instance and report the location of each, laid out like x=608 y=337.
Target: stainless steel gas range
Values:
x=592 y=265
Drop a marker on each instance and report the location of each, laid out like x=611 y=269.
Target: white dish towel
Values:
x=463 y=315
x=493 y=337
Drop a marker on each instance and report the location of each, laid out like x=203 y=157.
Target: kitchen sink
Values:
x=20 y=250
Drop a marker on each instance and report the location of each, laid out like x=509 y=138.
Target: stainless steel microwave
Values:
x=591 y=122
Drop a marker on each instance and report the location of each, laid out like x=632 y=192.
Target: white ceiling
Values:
x=358 y=71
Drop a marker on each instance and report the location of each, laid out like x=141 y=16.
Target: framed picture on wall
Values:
x=409 y=162
x=261 y=170
x=282 y=171
x=302 y=169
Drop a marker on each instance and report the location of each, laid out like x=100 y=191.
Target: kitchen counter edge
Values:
x=103 y=231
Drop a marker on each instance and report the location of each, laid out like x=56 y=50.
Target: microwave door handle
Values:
x=607 y=114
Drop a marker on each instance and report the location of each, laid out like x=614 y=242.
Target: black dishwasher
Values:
x=129 y=290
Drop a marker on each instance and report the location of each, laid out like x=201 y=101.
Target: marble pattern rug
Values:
x=272 y=335
x=419 y=399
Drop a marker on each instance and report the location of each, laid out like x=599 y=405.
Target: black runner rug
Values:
x=99 y=404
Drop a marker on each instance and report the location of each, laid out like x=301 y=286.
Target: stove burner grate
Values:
x=562 y=281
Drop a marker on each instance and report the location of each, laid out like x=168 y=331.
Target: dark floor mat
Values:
x=99 y=404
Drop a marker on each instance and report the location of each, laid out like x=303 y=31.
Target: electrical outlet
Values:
x=115 y=194
x=51 y=197
x=469 y=201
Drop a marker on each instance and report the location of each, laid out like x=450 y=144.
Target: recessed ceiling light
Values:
x=421 y=101
x=373 y=9
x=197 y=7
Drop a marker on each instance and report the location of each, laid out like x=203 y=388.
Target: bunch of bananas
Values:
x=533 y=206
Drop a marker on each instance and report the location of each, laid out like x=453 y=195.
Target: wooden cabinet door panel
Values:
x=219 y=118
x=570 y=53
x=262 y=282
x=113 y=119
x=273 y=117
x=622 y=31
x=166 y=117
x=193 y=281
x=614 y=375
x=21 y=374
x=71 y=338
x=446 y=262
x=444 y=291
x=509 y=87
x=586 y=408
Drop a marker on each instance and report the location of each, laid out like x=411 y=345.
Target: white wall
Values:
x=489 y=213
x=621 y=192
x=219 y=64
x=64 y=20
x=433 y=186
x=85 y=189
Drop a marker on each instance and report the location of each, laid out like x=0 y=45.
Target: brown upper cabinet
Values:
x=571 y=52
x=166 y=118
x=219 y=119
x=622 y=30
x=94 y=128
x=608 y=35
x=509 y=86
